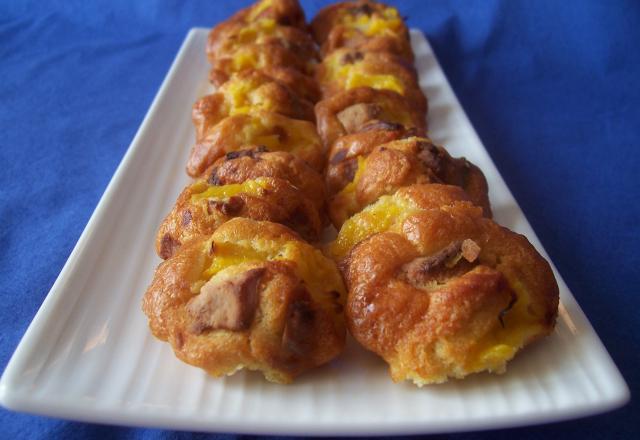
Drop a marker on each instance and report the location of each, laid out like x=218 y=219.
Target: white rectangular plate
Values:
x=88 y=354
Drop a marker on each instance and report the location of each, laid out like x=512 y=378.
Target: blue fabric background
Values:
x=551 y=87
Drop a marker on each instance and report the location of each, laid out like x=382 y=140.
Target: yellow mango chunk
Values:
x=389 y=22
x=381 y=216
x=251 y=187
x=380 y=82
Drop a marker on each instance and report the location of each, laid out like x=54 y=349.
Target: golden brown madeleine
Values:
x=202 y=207
x=302 y=85
x=353 y=110
x=448 y=293
x=364 y=25
x=247 y=92
x=345 y=69
x=282 y=12
x=225 y=38
x=252 y=295
x=257 y=56
x=401 y=163
x=251 y=163
x=389 y=213
x=274 y=131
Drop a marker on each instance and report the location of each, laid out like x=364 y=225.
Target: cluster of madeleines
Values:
x=321 y=124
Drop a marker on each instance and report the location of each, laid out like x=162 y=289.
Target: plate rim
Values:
x=361 y=428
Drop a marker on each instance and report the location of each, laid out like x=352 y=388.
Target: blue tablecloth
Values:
x=551 y=87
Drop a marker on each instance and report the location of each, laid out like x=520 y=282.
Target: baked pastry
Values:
x=389 y=213
x=345 y=69
x=344 y=152
x=251 y=163
x=282 y=12
x=354 y=110
x=225 y=38
x=247 y=92
x=203 y=206
x=401 y=163
x=256 y=56
x=304 y=86
x=271 y=130
x=364 y=25
x=446 y=292
x=252 y=295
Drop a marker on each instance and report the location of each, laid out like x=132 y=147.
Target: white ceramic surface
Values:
x=88 y=354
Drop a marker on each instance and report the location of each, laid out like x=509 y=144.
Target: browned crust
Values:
x=290 y=333
x=224 y=40
x=302 y=85
x=249 y=164
x=432 y=331
x=401 y=163
x=230 y=135
x=341 y=36
x=330 y=32
x=283 y=12
x=272 y=54
x=373 y=63
x=280 y=202
x=326 y=19
x=395 y=109
x=343 y=153
x=432 y=197
x=330 y=16
x=266 y=94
